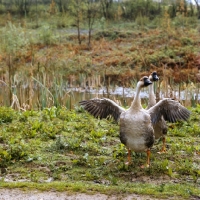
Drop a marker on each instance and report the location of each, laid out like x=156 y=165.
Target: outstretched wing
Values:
x=171 y=110
x=102 y=108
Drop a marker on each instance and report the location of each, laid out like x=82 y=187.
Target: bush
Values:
x=13 y=38
x=142 y=20
x=6 y=115
x=47 y=35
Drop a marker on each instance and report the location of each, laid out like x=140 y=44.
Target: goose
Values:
x=136 y=123
x=160 y=128
x=104 y=107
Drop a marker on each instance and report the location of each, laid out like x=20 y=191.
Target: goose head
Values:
x=153 y=76
x=144 y=82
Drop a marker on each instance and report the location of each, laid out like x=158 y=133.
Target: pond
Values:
x=38 y=98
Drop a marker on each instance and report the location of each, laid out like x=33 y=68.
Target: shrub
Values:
x=6 y=114
x=13 y=38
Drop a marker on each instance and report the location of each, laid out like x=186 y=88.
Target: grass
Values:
x=69 y=150
x=162 y=191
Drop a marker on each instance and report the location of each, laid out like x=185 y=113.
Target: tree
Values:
x=92 y=9
x=23 y=6
x=106 y=5
x=77 y=10
x=197 y=2
x=63 y=5
x=84 y=11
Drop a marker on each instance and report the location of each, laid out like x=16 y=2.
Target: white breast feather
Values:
x=136 y=124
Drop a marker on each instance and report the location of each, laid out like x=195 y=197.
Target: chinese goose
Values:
x=136 y=123
x=160 y=128
x=104 y=107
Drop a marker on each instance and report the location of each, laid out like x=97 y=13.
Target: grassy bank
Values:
x=69 y=150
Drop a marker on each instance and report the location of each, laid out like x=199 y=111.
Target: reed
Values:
x=5 y=90
x=15 y=102
x=44 y=96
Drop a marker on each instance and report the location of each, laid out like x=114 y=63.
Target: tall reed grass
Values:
x=32 y=76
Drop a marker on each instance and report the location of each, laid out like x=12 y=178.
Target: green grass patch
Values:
x=63 y=149
x=162 y=191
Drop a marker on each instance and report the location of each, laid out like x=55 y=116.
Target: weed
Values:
x=6 y=115
x=47 y=36
x=14 y=38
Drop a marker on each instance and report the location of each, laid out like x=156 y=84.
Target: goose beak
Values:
x=147 y=82
x=155 y=77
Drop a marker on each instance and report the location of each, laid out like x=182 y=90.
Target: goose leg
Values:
x=163 y=150
x=148 y=159
x=129 y=157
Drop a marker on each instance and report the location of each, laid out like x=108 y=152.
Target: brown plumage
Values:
x=102 y=108
x=160 y=128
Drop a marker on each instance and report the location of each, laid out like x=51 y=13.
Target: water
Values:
x=38 y=98
x=68 y=97
x=123 y=96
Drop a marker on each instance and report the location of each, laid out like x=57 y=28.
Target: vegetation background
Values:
x=49 y=48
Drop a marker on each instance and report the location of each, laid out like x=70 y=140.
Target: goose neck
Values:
x=137 y=100
x=152 y=97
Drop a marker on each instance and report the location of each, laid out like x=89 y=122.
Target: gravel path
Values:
x=16 y=194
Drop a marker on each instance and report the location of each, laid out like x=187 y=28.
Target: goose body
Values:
x=160 y=128
x=136 y=131
x=137 y=123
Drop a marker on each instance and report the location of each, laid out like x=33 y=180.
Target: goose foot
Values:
x=162 y=151
x=145 y=166
x=127 y=163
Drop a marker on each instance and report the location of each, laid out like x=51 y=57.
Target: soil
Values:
x=16 y=194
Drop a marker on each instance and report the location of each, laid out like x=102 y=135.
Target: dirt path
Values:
x=16 y=194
